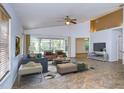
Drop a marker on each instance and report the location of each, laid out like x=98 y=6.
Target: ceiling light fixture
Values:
x=67 y=23
x=69 y=20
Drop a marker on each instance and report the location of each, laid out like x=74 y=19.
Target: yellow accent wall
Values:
x=111 y=20
x=27 y=43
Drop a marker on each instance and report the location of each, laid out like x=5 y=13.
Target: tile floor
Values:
x=105 y=75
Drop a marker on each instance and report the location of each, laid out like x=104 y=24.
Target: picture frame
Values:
x=17 y=52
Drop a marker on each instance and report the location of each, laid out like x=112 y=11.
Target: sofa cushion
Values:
x=48 y=53
x=39 y=55
x=59 y=52
x=30 y=68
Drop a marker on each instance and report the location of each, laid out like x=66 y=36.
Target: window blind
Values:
x=4 y=43
x=4 y=49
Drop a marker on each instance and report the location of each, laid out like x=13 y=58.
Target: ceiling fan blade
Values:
x=121 y=5
x=73 y=22
x=68 y=19
x=74 y=19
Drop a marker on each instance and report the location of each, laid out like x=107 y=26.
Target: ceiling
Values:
x=38 y=15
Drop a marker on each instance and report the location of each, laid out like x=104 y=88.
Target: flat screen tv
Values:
x=99 y=46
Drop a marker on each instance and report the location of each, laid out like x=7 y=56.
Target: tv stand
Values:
x=98 y=55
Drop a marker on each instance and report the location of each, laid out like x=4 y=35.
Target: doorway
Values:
x=118 y=40
x=82 y=47
x=120 y=47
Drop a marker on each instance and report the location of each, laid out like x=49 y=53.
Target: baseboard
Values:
x=13 y=81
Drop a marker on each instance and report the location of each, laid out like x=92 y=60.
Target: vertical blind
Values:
x=4 y=44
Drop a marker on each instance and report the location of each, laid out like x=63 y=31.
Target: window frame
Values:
x=6 y=75
x=50 y=43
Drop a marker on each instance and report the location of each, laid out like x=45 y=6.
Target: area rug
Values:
x=52 y=72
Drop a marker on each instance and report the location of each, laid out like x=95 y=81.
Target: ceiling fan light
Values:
x=67 y=22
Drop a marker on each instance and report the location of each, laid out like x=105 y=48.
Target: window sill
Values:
x=4 y=79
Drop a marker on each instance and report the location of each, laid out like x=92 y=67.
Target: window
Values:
x=4 y=43
x=39 y=45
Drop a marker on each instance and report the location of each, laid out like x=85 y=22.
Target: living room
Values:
x=48 y=40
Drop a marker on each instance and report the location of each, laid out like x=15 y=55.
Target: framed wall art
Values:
x=17 y=45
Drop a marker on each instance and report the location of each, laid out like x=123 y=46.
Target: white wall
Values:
x=81 y=30
x=51 y=31
x=16 y=29
x=115 y=48
x=110 y=37
x=102 y=36
x=123 y=35
x=73 y=31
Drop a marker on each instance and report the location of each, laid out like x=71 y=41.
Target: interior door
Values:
x=81 y=47
x=120 y=47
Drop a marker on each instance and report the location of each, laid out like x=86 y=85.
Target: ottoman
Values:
x=66 y=68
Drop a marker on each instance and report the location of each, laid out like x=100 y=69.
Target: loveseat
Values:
x=49 y=55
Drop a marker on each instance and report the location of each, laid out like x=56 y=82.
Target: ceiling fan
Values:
x=69 y=21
